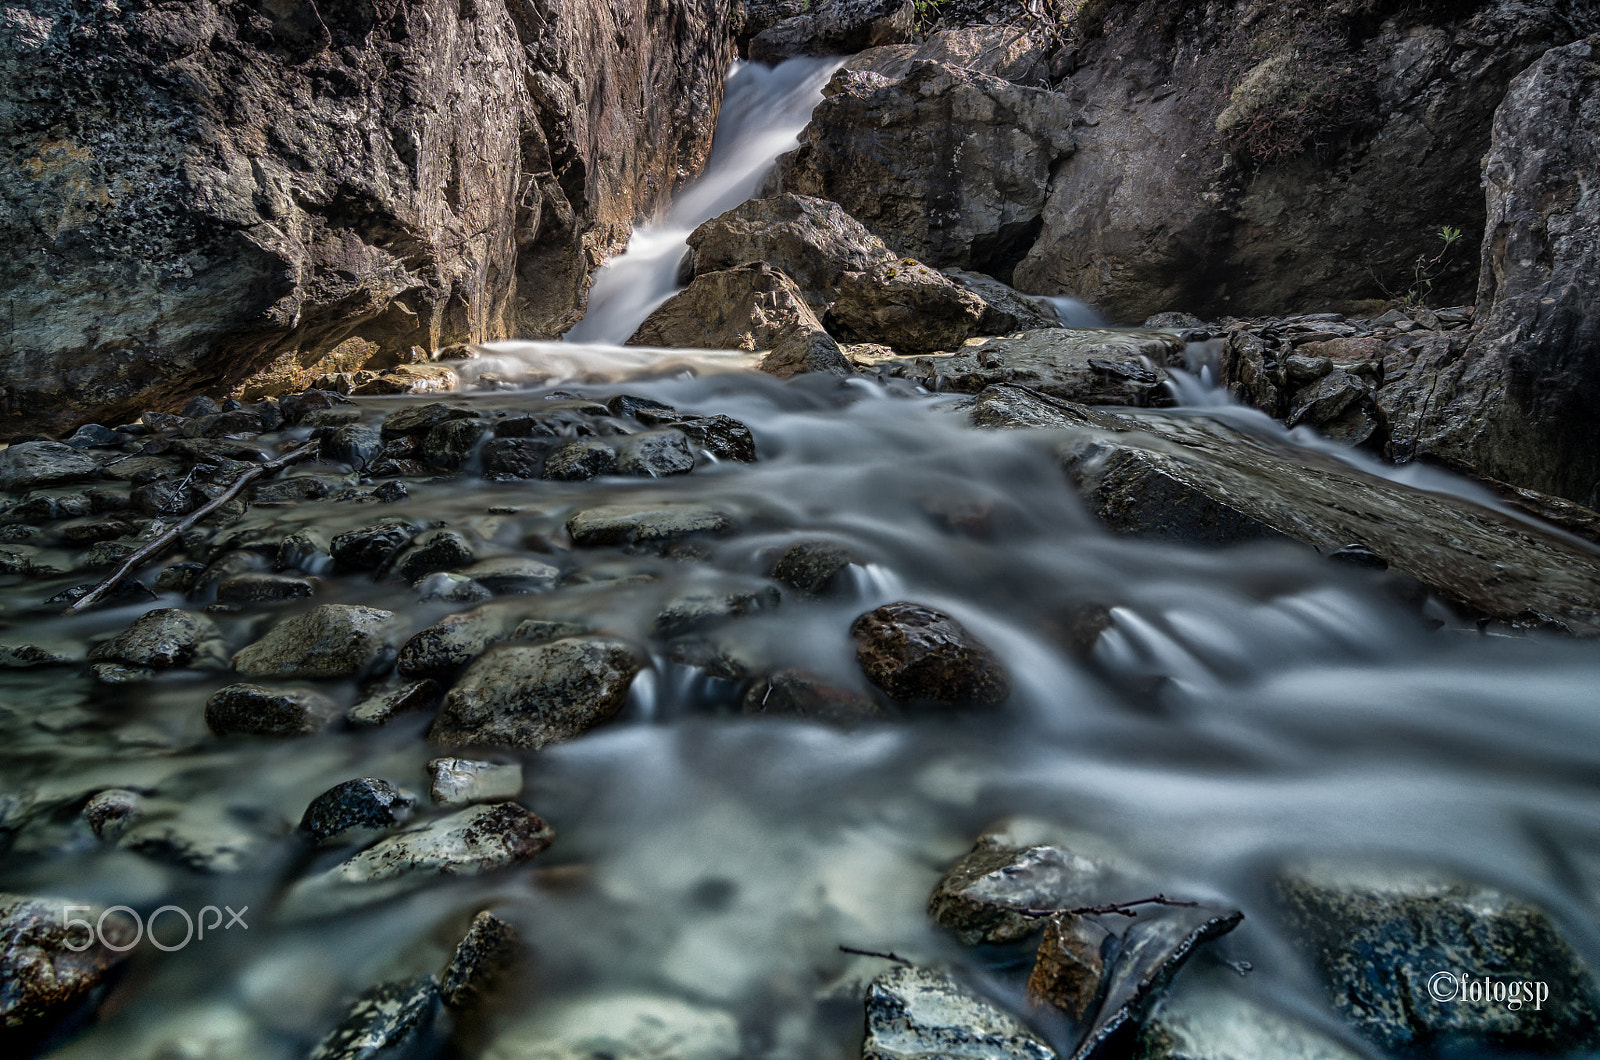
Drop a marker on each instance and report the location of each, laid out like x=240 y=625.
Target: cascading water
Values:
x=1245 y=703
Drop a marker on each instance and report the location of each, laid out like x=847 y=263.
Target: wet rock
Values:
x=918 y=1014
x=1475 y=558
x=290 y=490
x=201 y=835
x=164 y=638
x=1090 y=366
x=797 y=694
x=370 y=546
x=835 y=27
x=799 y=352
x=251 y=710
x=746 y=307
x=411 y=379
x=1207 y=1021
x=333 y=640
x=512 y=574
x=1380 y=934
x=580 y=460
x=513 y=458
x=450 y=444
x=868 y=149
x=358 y=806
x=388 y=1020
x=699 y=607
x=621 y=1027
x=93 y=435
x=917 y=654
x=1024 y=864
x=467 y=843
x=452 y=588
x=111 y=813
x=382 y=708
x=29 y=464
x=455 y=782
x=1070 y=964
x=531 y=696
x=812 y=566
x=238 y=423
x=453 y=642
x=1145 y=957
x=482 y=960
x=41 y=506
x=654 y=454
x=200 y=406
x=723 y=437
x=167 y=498
x=258 y=587
x=353 y=443
x=45 y=975
x=420 y=419
x=297 y=408
x=308 y=549
x=434 y=550
x=27 y=656
x=623 y=524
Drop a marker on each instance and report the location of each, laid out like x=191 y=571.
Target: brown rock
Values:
x=1070 y=965
x=917 y=654
x=748 y=307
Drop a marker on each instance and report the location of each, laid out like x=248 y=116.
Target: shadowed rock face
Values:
x=1247 y=158
x=1522 y=403
x=217 y=196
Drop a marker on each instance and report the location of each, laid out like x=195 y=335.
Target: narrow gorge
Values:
x=789 y=529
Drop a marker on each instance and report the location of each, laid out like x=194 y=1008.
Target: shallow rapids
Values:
x=1247 y=702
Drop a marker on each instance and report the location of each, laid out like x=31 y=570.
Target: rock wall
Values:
x=199 y=194
x=1255 y=158
x=1522 y=403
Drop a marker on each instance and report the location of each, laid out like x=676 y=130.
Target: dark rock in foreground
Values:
x=918 y=1014
x=1381 y=935
x=388 y=1020
x=46 y=968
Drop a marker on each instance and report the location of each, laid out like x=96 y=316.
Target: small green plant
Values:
x=1427 y=269
x=927 y=12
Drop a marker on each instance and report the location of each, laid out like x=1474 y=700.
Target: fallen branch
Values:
x=895 y=957
x=95 y=595
x=1113 y=908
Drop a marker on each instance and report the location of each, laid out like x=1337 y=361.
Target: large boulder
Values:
x=948 y=166
x=1012 y=54
x=835 y=27
x=1523 y=403
x=848 y=276
x=202 y=196
x=747 y=307
x=1091 y=366
x=1244 y=158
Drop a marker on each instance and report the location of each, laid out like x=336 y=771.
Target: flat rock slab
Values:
x=1092 y=366
x=917 y=1014
x=1481 y=560
x=629 y=525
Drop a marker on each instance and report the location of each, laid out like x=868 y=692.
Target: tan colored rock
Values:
x=748 y=307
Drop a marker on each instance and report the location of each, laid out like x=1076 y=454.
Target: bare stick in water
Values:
x=895 y=957
x=94 y=596
x=1116 y=908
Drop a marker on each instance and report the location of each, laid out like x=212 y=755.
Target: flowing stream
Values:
x=1248 y=703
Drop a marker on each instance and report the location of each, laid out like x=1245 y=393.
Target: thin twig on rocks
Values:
x=94 y=596
x=1116 y=908
x=895 y=957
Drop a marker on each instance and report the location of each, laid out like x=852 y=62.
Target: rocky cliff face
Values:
x=199 y=194
x=1247 y=158
x=1522 y=403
